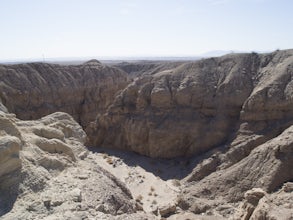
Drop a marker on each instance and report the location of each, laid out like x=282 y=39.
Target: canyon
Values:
x=206 y=139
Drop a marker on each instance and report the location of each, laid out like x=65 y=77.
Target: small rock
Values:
x=34 y=206
x=47 y=203
x=76 y=194
x=56 y=202
x=100 y=208
x=167 y=210
x=83 y=176
x=82 y=207
x=155 y=210
x=254 y=195
x=288 y=187
x=83 y=155
x=119 y=212
x=138 y=207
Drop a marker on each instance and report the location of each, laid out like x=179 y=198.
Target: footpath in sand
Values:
x=154 y=183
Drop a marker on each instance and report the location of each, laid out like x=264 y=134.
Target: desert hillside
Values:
x=34 y=90
x=207 y=139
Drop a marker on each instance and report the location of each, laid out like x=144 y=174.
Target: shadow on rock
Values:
x=176 y=168
x=9 y=190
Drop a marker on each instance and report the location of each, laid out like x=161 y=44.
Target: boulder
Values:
x=167 y=210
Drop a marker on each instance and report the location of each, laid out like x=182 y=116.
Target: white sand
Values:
x=153 y=182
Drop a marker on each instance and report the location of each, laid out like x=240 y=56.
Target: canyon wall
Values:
x=197 y=106
x=164 y=109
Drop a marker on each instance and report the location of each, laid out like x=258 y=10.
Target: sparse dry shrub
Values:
x=109 y=160
x=176 y=182
x=139 y=198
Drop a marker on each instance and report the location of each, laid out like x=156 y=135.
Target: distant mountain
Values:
x=218 y=53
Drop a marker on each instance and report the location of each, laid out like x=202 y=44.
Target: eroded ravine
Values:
x=153 y=183
x=230 y=117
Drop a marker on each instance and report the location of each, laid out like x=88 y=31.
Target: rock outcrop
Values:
x=35 y=90
x=267 y=167
x=47 y=173
x=259 y=205
x=10 y=145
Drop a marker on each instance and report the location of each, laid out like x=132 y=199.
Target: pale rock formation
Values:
x=46 y=173
x=9 y=154
x=259 y=205
x=267 y=167
x=167 y=210
x=252 y=198
x=10 y=145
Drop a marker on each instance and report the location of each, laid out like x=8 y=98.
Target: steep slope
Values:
x=197 y=106
x=268 y=167
x=36 y=89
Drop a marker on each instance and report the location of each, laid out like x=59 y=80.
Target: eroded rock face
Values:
x=236 y=109
x=34 y=90
x=259 y=205
x=47 y=173
x=267 y=168
x=197 y=106
x=10 y=145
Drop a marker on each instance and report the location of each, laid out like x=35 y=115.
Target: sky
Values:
x=33 y=29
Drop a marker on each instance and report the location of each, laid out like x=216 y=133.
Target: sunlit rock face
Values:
x=36 y=89
x=197 y=106
x=44 y=172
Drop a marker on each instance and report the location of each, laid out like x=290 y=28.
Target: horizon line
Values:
x=215 y=53
x=129 y=57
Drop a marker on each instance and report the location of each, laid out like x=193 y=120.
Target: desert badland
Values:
x=206 y=139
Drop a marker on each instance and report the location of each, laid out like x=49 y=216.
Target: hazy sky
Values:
x=83 y=28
